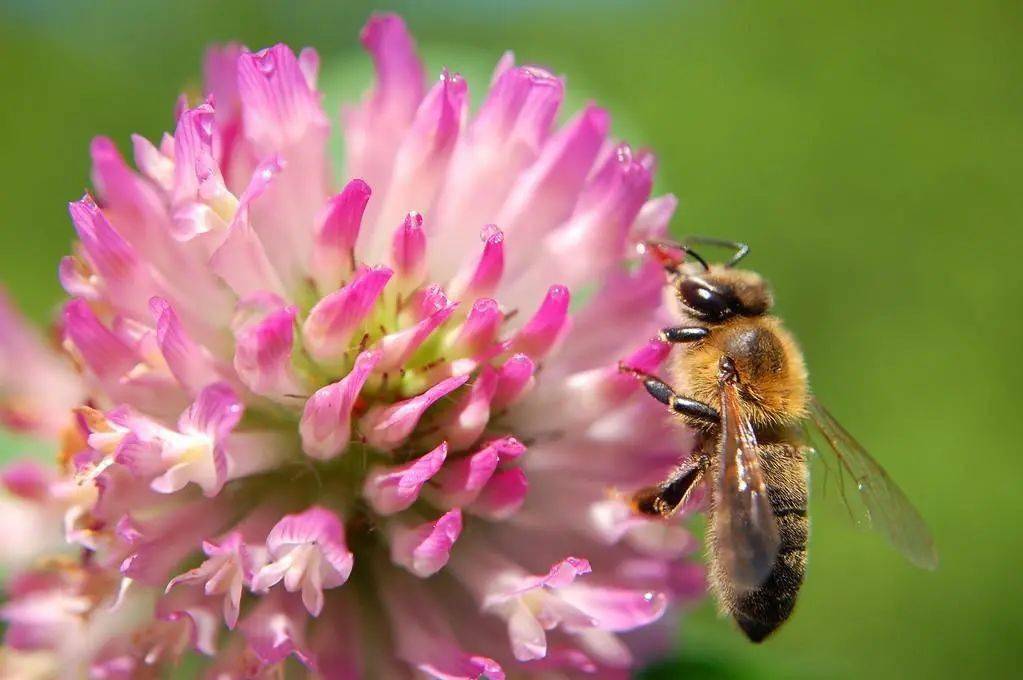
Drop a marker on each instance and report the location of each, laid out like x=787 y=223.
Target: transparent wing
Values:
x=886 y=508
x=744 y=525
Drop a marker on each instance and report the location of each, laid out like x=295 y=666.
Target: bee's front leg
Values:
x=682 y=334
x=662 y=392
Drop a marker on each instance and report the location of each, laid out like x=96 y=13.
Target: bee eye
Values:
x=704 y=300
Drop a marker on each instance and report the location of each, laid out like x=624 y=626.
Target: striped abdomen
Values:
x=760 y=611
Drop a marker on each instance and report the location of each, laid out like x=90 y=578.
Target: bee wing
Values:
x=886 y=508
x=744 y=525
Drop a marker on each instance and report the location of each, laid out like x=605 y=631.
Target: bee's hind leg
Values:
x=662 y=392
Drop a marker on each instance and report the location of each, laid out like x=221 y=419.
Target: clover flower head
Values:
x=367 y=431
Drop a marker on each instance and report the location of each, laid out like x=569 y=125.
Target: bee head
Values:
x=712 y=293
x=720 y=293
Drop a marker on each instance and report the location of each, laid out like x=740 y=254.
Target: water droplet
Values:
x=204 y=125
x=265 y=61
x=623 y=154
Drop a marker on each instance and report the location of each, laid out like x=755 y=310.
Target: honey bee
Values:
x=741 y=384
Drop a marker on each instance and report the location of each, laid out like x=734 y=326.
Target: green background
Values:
x=870 y=154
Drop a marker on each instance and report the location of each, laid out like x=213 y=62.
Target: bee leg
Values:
x=663 y=393
x=680 y=334
x=671 y=494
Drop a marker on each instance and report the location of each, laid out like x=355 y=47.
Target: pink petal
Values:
x=194 y=219
x=281 y=114
x=481 y=279
x=633 y=298
x=260 y=181
x=399 y=346
x=253 y=308
x=370 y=139
x=437 y=124
x=104 y=353
x=422 y=157
x=388 y=426
x=241 y=260
x=321 y=528
x=603 y=388
x=425 y=301
x=315 y=525
x=649 y=357
x=26 y=479
x=327 y=419
x=39 y=388
x=545 y=194
x=520 y=106
x=195 y=612
x=504 y=64
x=336 y=232
x=463 y=667
x=594 y=239
x=503 y=139
x=391 y=490
x=135 y=207
x=209 y=474
x=190 y=363
x=471 y=415
x=214 y=413
x=76 y=279
x=408 y=251
x=507 y=448
x=616 y=609
x=605 y=648
x=275 y=629
x=228 y=566
x=156 y=546
x=151 y=162
x=526 y=634
x=220 y=74
x=332 y=322
x=263 y=354
x=278 y=103
x=399 y=72
x=424 y=550
x=503 y=495
x=342 y=642
x=653 y=218
x=423 y=636
x=113 y=258
x=461 y=481
x=197 y=176
x=478 y=333
x=662 y=540
x=515 y=378
x=140 y=456
x=559 y=576
x=562 y=658
x=543 y=330
x=309 y=62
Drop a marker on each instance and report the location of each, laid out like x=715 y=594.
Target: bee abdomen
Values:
x=761 y=611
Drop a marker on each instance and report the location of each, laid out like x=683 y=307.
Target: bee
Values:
x=741 y=385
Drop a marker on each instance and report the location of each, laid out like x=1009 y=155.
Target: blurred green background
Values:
x=869 y=153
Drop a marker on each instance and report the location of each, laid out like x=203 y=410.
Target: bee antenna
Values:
x=741 y=249
x=692 y=253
